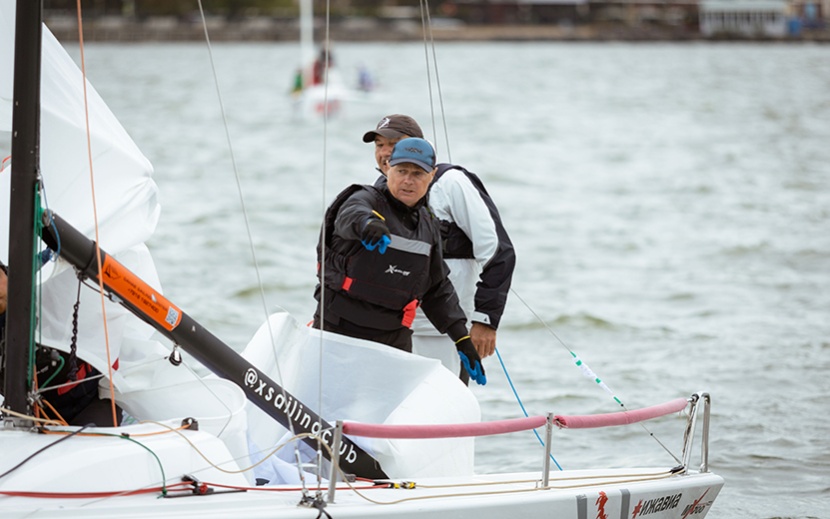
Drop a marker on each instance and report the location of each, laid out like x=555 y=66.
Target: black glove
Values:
x=375 y=235
x=470 y=360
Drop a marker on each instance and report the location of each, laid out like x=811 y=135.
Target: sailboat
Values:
x=211 y=446
x=319 y=90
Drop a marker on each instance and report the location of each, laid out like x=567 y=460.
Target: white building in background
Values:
x=743 y=17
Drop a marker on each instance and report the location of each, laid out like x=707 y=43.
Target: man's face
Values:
x=408 y=182
x=383 y=150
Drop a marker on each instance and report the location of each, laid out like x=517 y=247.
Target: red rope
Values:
x=443 y=431
x=620 y=418
x=514 y=425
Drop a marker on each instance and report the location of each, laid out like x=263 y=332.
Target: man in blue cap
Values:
x=476 y=246
x=383 y=260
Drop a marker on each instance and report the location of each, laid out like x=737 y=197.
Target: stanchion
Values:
x=548 y=438
x=335 y=459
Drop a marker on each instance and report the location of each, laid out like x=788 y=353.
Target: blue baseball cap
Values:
x=414 y=151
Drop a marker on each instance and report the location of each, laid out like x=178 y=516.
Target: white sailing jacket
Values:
x=482 y=281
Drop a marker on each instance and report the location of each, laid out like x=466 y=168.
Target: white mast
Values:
x=306 y=38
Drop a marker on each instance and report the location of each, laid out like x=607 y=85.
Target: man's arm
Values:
x=472 y=209
x=353 y=214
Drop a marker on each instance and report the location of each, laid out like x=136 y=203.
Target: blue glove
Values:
x=470 y=360
x=375 y=235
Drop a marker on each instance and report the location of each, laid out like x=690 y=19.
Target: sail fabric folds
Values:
x=125 y=192
x=360 y=381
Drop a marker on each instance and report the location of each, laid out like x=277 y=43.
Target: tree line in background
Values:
x=226 y=8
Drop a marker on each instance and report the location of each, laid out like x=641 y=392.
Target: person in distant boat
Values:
x=476 y=246
x=365 y=83
x=77 y=401
x=383 y=260
x=318 y=70
x=297 y=87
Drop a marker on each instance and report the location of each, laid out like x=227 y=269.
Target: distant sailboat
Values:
x=318 y=88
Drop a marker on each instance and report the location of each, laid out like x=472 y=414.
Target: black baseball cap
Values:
x=395 y=126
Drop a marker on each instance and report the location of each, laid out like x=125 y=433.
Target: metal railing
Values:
x=533 y=422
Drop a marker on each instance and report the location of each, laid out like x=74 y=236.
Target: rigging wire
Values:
x=429 y=41
x=246 y=219
x=588 y=372
x=95 y=215
x=426 y=22
x=326 y=62
x=516 y=394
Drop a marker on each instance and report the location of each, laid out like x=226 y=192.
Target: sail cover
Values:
x=354 y=380
x=125 y=193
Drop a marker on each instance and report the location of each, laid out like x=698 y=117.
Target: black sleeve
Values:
x=440 y=303
x=494 y=280
x=353 y=214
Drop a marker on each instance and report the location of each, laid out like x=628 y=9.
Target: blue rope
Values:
x=510 y=381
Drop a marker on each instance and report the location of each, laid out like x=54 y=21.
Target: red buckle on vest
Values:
x=79 y=377
x=409 y=313
x=347 y=283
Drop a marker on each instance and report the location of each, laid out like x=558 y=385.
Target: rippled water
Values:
x=669 y=205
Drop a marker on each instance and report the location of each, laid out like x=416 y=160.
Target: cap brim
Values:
x=423 y=165
x=384 y=132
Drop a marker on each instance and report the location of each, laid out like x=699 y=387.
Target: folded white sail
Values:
x=365 y=382
x=125 y=193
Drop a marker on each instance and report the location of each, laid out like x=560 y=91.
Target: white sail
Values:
x=125 y=193
x=365 y=382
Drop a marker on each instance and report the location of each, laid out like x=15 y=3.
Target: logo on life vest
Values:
x=393 y=269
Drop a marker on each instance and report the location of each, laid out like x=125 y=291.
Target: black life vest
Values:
x=395 y=280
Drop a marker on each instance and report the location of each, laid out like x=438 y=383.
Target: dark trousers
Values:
x=400 y=338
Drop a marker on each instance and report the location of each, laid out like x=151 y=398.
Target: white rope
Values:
x=247 y=223
x=326 y=61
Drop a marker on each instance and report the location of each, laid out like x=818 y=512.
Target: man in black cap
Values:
x=389 y=131
x=476 y=246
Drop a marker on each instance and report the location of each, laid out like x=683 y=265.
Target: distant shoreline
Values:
x=263 y=29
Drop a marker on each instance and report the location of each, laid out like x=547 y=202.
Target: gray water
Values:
x=669 y=205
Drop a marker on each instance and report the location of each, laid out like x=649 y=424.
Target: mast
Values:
x=24 y=187
x=306 y=38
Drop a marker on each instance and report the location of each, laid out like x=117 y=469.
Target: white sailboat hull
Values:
x=121 y=465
